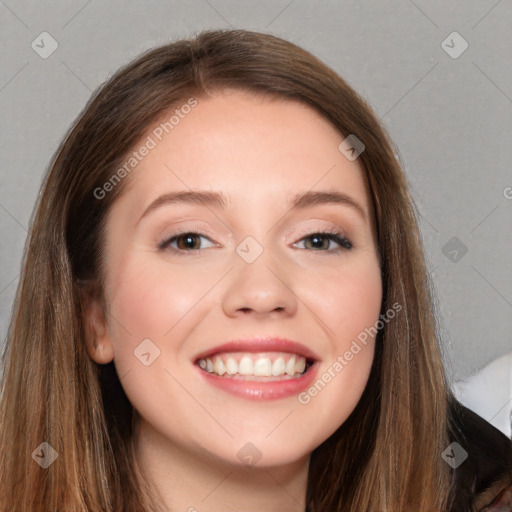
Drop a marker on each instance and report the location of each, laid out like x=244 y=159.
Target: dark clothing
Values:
x=483 y=482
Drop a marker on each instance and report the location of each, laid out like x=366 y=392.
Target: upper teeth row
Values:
x=261 y=366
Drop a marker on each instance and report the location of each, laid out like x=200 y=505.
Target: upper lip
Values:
x=261 y=344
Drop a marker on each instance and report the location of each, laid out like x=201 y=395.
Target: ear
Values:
x=97 y=338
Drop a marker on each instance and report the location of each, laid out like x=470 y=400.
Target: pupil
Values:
x=189 y=240
x=316 y=239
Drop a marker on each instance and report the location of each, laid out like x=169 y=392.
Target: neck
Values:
x=184 y=480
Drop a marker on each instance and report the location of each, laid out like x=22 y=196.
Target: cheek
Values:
x=347 y=300
x=348 y=305
x=150 y=299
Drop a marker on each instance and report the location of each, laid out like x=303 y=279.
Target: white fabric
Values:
x=489 y=393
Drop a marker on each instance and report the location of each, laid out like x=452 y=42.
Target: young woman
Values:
x=224 y=306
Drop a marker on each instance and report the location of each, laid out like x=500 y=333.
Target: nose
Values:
x=262 y=288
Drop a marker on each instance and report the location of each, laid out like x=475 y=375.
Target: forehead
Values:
x=253 y=147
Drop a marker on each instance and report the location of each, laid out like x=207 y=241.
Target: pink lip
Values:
x=264 y=344
x=254 y=390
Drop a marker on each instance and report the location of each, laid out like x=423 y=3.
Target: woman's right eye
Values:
x=186 y=242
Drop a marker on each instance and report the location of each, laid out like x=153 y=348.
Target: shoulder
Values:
x=483 y=473
x=487 y=391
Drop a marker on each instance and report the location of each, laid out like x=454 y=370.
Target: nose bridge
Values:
x=258 y=281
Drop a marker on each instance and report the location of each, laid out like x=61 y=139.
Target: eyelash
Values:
x=334 y=235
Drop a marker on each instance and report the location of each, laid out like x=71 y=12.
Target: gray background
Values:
x=450 y=118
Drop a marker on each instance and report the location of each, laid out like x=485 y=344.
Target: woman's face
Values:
x=245 y=266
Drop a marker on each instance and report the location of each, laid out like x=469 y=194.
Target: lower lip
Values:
x=254 y=390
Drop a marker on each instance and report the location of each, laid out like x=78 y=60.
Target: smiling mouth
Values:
x=262 y=367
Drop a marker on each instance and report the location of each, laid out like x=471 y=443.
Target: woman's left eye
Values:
x=190 y=241
x=322 y=238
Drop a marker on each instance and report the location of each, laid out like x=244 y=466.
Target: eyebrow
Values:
x=219 y=200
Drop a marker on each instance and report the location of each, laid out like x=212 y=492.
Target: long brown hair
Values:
x=386 y=456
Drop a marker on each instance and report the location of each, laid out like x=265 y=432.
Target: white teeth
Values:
x=231 y=366
x=279 y=367
x=245 y=367
x=290 y=366
x=263 y=368
x=253 y=364
x=219 y=368
x=300 y=365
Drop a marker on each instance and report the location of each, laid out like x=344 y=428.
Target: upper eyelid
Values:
x=306 y=231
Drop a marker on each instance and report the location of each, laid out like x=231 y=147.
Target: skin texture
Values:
x=259 y=152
